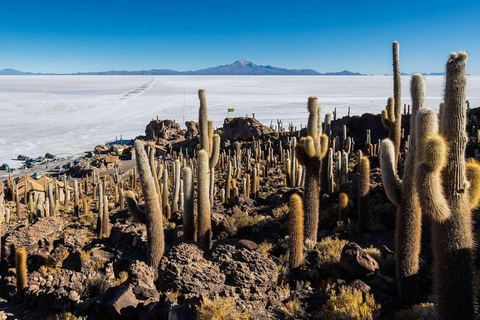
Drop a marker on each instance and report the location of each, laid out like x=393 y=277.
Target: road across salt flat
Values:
x=70 y=114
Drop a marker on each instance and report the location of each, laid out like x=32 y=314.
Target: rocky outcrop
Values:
x=192 y=130
x=163 y=129
x=229 y=269
x=38 y=237
x=244 y=129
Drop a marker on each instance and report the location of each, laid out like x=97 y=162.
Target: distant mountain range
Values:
x=239 y=67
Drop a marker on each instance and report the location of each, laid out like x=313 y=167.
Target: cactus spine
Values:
x=405 y=196
x=152 y=216
x=21 y=269
x=444 y=156
x=296 y=230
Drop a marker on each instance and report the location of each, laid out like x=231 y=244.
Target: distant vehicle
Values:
x=57 y=169
x=22 y=157
x=30 y=163
x=89 y=154
x=49 y=156
x=36 y=175
x=5 y=166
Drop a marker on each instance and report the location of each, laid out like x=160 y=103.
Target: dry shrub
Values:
x=220 y=309
x=423 y=311
x=329 y=251
x=347 y=303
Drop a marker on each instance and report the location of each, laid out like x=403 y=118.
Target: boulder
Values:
x=244 y=129
x=162 y=129
x=356 y=261
x=127 y=300
x=192 y=130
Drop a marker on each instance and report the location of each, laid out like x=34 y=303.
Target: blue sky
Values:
x=85 y=35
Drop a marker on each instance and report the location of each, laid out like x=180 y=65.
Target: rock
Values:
x=184 y=269
x=141 y=278
x=118 y=302
x=360 y=285
x=229 y=269
x=181 y=312
x=192 y=130
x=101 y=149
x=245 y=268
x=356 y=261
x=126 y=301
x=386 y=251
x=244 y=129
x=163 y=129
x=248 y=244
x=37 y=237
x=73 y=262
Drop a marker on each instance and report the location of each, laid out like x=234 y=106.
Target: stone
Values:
x=244 y=129
x=356 y=261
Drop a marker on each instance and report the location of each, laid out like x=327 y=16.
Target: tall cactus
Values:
x=447 y=199
x=392 y=116
x=206 y=161
x=363 y=192
x=152 y=216
x=309 y=153
x=204 y=229
x=295 y=225
x=21 y=269
x=404 y=195
x=189 y=226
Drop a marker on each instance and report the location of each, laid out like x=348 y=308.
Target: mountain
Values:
x=239 y=67
x=243 y=67
x=12 y=72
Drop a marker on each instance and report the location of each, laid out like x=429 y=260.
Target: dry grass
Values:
x=423 y=311
x=220 y=309
x=347 y=303
x=329 y=251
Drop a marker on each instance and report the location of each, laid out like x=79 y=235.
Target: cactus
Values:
x=188 y=212
x=21 y=269
x=447 y=200
x=343 y=208
x=105 y=232
x=392 y=116
x=405 y=196
x=176 y=192
x=203 y=201
x=295 y=226
x=152 y=216
x=363 y=188
x=309 y=154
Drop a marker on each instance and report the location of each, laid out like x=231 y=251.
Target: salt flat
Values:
x=67 y=115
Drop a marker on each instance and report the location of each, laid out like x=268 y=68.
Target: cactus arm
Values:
x=138 y=214
x=300 y=153
x=473 y=177
x=215 y=151
x=386 y=123
x=389 y=172
x=323 y=145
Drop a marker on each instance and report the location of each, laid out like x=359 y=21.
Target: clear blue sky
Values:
x=86 y=35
